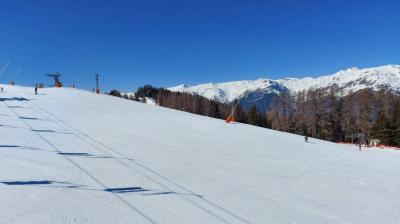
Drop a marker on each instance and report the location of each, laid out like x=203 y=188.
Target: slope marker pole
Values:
x=97 y=84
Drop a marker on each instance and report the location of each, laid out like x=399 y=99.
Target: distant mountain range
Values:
x=261 y=91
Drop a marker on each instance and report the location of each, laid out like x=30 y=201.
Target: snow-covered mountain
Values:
x=71 y=156
x=255 y=91
x=352 y=79
x=229 y=91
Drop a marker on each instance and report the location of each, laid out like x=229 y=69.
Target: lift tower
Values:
x=56 y=77
x=97 y=84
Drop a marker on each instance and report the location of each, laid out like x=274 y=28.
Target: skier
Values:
x=2 y=89
x=306 y=139
x=36 y=87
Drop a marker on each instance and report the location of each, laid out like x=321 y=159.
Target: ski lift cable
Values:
x=16 y=74
x=4 y=68
x=237 y=103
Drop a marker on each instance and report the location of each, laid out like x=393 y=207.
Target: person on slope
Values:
x=306 y=138
x=36 y=87
x=2 y=89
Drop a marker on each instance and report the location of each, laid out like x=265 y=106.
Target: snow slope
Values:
x=352 y=79
x=70 y=156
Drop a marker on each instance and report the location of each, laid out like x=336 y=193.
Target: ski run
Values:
x=71 y=156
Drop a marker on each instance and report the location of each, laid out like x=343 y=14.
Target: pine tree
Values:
x=395 y=121
x=115 y=92
x=381 y=128
x=136 y=97
x=252 y=116
x=299 y=114
x=337 y=119
x=364 y=120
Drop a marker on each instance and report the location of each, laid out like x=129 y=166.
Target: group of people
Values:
x=36 y=88
x=359 y=143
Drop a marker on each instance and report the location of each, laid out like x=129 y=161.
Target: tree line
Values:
x=330 y=115
x=180 y=101
x=326 y=114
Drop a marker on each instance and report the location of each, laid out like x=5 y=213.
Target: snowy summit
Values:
x=352 y=79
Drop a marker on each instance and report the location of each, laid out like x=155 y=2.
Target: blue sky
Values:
x=166 y=43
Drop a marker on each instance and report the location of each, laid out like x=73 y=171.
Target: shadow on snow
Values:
x=23 y=147
x=125 y=190
x=66 y=185
x=13 y=99
x=28 y=182
x=83 y=154
x=32 y=118
x=49 y=131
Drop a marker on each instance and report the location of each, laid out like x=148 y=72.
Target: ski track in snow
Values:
x=99 y=182
x=205 y=205
x=157 y=174
x=93 y=180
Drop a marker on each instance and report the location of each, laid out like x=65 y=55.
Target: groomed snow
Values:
x=70 y=156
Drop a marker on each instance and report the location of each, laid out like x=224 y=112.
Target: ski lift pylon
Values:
x=56 y=77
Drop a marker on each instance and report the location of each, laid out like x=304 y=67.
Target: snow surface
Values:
x=128 y=94
x=71 y=156
x=149 y=100
x=351 y=79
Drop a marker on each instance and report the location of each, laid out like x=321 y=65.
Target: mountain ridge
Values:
x=351 y=79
